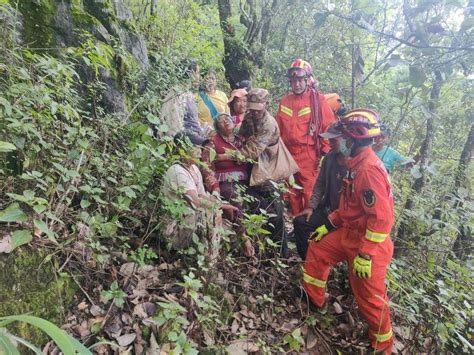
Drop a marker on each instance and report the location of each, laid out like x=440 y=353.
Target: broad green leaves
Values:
x=7 y=108
x=6 y=147
x=294 y=340
x=417 y=76
x=20 y=237
x=115 y=294
x=13 y=213
x=43 y=228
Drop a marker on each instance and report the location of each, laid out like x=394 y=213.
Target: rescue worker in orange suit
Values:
x=358 y=231
x=302 y=115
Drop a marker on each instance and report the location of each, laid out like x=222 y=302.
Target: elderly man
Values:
x=260 y=132
x=259 y=128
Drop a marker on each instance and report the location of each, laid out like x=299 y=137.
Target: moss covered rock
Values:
x=29 y=284
x=38 y=19
x=49 y=26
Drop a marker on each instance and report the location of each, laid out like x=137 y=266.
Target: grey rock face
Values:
x=107 y=20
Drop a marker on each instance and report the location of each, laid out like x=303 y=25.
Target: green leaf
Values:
x=6 y=346
x=60 y=337
x=417 y=76
x=6 y=104
x=114 y=286
x=39 y=208
x=43 y=228
x=17 y=197
x=212 y=154
x=119 y=302
x=20 y=237
x=29 y=194
x=6 y=147
x=13 y=214
x=127 y=190
x=172 y=336
x=85 y=203
x=26 y=343
x=320 y=18
x=153 y=119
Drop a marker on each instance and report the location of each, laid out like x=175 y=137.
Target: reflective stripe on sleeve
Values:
x=286 y=110
x=313 y=281
x=381 y=337
x=375 y=237
x=304 y=111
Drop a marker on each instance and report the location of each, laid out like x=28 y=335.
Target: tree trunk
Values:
x=352 y=79
x=153 y=7
x=241 y=55
x=267 y=14
x=425 y=154
x=285 y=34
x=235 y=56
x=427 y=145
x=463 y=246
x=465 y=160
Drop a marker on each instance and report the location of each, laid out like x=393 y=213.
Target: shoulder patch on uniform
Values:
x=369 y=198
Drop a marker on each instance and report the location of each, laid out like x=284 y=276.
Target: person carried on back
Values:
x=272 y=161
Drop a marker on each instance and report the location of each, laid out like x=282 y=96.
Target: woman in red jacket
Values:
x=224 y=173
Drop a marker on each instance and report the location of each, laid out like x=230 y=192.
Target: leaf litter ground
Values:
x=259 y=308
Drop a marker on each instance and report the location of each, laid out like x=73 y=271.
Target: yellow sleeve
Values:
x=203 y=112
x=220 y=100
x=226 y=100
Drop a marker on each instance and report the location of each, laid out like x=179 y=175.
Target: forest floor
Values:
x=247 y=306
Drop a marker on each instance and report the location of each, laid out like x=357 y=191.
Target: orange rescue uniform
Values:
x=294 y=119
x=364 y=220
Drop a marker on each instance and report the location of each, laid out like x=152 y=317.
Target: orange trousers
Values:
x=370 y=294
x=305 y=157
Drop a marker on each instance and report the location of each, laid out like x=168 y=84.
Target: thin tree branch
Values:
x=379 y=64
x=395 y=38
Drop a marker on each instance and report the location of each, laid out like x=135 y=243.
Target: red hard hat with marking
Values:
x=299 y=69
x=361 y=123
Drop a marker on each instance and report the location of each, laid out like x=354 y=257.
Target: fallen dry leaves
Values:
x=256 y=304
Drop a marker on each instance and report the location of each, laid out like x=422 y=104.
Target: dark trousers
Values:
x=267 y=198
x=303 y=229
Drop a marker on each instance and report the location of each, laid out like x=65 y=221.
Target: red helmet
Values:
x=299 y=69
x=361 y=123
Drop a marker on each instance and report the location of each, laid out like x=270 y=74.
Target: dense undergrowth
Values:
x=81 y=186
